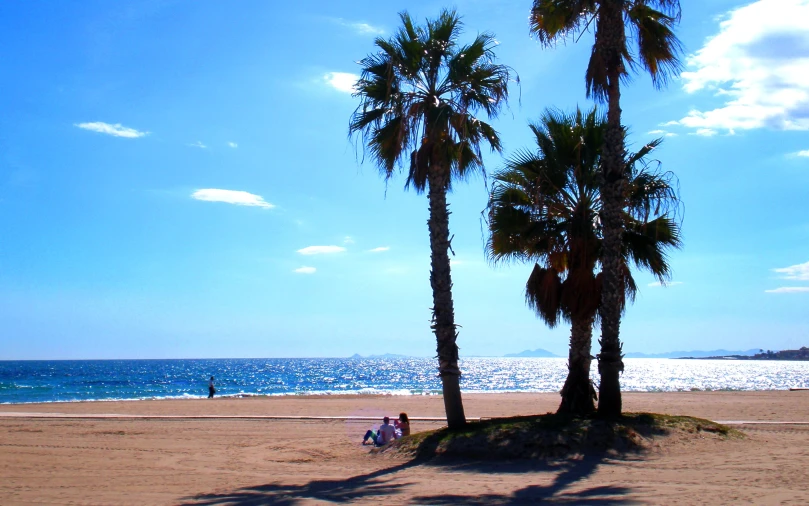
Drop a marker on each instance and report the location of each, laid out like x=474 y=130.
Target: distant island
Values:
x=801 y=354
x=384 y=355
x=539 y=352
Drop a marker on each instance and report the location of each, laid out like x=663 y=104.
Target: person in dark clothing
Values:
x=211 y=389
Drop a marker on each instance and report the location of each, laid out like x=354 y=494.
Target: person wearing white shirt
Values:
x=383 y=436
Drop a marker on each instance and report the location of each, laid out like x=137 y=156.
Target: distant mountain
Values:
x=539 y=352
x=384 y=355
x=693 y=354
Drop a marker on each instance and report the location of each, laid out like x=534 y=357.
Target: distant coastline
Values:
x=751 y=354
x=801 y=354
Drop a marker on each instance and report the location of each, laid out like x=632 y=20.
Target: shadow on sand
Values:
x=383 y=483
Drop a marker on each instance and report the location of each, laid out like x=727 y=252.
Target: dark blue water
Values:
x=72 y=380
x=49 y=381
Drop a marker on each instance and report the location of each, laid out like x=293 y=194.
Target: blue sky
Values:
x=176 y=181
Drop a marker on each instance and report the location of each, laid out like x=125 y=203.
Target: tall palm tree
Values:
x=656 y=50
x=418 y=96
x=545 y=206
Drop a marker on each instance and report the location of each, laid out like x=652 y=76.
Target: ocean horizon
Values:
x=29 y=381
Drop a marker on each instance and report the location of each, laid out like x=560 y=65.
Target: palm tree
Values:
x=545 y=206
x=418 y=96
x=656 y=50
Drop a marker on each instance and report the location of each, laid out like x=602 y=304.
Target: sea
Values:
x=112 y=380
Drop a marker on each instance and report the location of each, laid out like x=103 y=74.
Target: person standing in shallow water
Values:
x=211 y=389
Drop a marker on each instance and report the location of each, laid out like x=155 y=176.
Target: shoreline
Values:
x=704 y=404
x=395 y=393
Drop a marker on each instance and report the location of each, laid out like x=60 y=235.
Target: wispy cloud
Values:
x=233 y=145
x=321 y=250
x=116 y=130
x=305 y=270
x=361 y=28
x=348 y=240
x=465 y=262
x=789 y=289
x=705 y=132
x=803 y=153
x=757 y=64
x=666 y=284
x=798 y=272
x=198 y=144
x=236 y=197
x=380 y=249
x=662 y=132
x=341 y=81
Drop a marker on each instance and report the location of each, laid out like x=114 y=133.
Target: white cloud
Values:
x=789 y=289
x=380 y=249
x=198 y=144
x=666 y=284
x=233 y=144
x=799 y=272
x=803 y=153
x=705 y=132
x=341 y=81
x=239 y=198
x=661 y=132
x=758 y=64
x=305 y=270
x=116 y=130
x=321 y=250
x=348 y=240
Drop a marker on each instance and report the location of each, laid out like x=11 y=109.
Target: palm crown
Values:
x=545 y=207
x=418 y=95
x=656 y=48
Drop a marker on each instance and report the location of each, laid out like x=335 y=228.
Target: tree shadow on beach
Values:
x=567 y=473
x=339 y=491
x=379 y=484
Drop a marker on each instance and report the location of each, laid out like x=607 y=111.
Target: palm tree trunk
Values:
x=578 y=394
x=611 y=39
x=443 y=310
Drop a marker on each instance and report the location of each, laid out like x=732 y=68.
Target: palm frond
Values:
x=658 y=48
x=543 y=294
x=647 y=244
x=553 y=20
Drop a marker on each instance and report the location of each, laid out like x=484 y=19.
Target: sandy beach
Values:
x=265 y=461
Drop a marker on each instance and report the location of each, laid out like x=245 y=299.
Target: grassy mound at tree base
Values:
x=554 y=436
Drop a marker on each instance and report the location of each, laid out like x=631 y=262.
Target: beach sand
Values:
x=251 y=461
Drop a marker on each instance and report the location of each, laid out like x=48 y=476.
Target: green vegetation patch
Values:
x=555 y=436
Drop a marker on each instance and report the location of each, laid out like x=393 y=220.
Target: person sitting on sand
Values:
x=402 y=425
x=383 y=436
x=211 y=389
